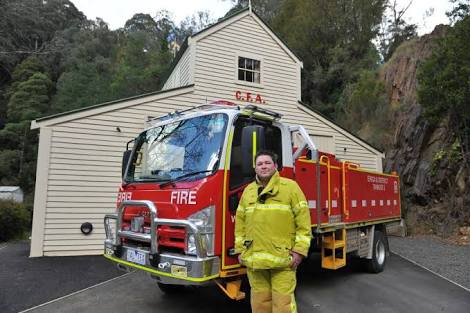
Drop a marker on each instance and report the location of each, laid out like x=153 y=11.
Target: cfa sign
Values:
x=249 y=97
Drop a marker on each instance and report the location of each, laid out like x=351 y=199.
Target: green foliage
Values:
x=452 y=154
x=29 y=96
x=365 y=110
x=86 y=67
x=26 y=26
x=394 y=30
x=30 y=99
x=267 y=9
x=333 y=38
x=460 y=11
x=15 y=220
x=444 y=81
x=143 y=56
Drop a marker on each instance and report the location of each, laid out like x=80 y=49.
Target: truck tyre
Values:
x=169 y=289
x=379 y=253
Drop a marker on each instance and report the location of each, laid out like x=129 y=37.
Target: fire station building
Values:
x=238 y=59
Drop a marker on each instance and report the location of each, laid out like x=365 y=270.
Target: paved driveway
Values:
x=402 y=287
x=26 y=282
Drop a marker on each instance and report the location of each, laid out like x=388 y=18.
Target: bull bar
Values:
x=202 y=267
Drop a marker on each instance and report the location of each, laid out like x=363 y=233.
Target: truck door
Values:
x=237 y=180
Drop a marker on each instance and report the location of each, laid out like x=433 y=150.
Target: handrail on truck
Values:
x=328 y=167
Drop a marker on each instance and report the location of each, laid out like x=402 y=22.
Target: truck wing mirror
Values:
x=125 y=159
x=252 y=141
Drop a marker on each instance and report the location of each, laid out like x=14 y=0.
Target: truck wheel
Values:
x=170 y=289
x=379 y=253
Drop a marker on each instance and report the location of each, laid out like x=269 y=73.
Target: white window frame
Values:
x=261 y=70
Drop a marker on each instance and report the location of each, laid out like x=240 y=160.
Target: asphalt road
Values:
x=26 y=282
x=402 y=287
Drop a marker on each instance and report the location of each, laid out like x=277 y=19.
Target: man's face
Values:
x=265 y=167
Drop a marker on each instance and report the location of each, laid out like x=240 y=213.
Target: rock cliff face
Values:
x=434 y=190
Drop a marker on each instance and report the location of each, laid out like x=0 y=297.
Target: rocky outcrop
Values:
x=434 y=191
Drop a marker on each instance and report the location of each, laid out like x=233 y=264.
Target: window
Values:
x=188 y=146
x=249 y=70
x=272 y=142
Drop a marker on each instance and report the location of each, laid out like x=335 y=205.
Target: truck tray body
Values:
x=348 y=194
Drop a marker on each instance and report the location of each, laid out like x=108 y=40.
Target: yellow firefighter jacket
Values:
x=272 y=223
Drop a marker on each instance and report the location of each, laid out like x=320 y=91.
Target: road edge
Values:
x=76 y=292
x=429 y=270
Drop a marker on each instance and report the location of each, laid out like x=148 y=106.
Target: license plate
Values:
x=180 y=271
x=135 y=256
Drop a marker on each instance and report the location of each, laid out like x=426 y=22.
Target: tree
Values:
x=86 y=66
x=365 y=110
x=460 y=11
x=27 y=25
x=394 y=30
x=28 y=98
x=267 y=9
x=191 y=25
x=333 y=38
x=444 y=81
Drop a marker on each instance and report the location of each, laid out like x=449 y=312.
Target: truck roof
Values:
x=220 y=106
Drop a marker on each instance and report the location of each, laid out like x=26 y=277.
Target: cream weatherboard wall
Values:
x=79 y=170
x=182 y=73
x=79 y=158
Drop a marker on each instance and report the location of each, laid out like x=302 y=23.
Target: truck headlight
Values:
x=204 y=221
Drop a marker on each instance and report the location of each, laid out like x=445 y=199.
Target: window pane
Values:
x=241 y=75
x=249 y=64
x=241 y=62
x=249 y=76
x=256 y=65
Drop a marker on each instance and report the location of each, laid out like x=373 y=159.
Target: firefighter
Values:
x=272 y=236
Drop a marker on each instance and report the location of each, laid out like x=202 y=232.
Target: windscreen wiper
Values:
x=184 y=176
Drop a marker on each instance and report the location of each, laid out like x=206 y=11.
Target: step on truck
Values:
x=184 y=175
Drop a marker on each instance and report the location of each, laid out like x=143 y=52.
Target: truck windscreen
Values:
x=169 y=151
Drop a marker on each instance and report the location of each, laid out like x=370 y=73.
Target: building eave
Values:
x=107 y=106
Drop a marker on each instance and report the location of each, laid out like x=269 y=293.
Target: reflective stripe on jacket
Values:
x=266 y=232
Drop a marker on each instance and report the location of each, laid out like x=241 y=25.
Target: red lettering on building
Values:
x=249 y=97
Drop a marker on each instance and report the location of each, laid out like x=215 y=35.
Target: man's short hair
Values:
x=267 y=152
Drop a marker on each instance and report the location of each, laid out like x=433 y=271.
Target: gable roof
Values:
x=221 y=23
x=235 y=17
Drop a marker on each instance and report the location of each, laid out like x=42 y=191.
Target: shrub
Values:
x=15 y=220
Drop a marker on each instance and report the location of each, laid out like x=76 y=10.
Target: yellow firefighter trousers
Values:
x=272 y=290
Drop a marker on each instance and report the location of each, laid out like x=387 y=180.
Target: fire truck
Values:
x=182 y=179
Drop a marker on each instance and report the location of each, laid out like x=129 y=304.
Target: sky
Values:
x=117 y=12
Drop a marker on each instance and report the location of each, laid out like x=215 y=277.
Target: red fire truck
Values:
x=183 y=178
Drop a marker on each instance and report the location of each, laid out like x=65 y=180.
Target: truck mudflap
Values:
x=174 y=267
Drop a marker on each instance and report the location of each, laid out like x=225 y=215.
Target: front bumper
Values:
x=166 y=267
x=169 y=267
